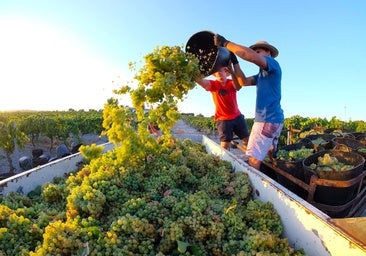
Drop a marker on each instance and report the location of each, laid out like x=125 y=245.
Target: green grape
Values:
x=319 y=141
x=330 y=163
x=293 y=155
x=362 y=150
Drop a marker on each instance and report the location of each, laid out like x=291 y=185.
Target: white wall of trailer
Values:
x=28 y=180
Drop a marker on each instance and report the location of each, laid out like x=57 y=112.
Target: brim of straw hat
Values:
x=265 y=45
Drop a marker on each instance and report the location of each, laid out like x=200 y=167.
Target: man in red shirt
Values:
x=228 y=117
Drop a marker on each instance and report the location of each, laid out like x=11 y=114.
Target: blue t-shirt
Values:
x=268 y=103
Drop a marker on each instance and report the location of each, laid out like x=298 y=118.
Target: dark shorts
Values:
x=237 y=126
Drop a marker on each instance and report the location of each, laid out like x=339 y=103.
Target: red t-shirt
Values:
x=224 y=97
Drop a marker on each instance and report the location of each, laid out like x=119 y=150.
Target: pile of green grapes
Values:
x=175 y=200
x=147 y=196
x=294 y=155
x=361 y=150
x=330 y=163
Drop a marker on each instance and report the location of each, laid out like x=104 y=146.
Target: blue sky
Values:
x=63 y=54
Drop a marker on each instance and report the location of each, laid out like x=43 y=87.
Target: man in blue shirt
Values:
x=269 y=118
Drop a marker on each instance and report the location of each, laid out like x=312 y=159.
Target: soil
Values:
x=43 y=144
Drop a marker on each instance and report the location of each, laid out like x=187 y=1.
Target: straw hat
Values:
x=265 y=45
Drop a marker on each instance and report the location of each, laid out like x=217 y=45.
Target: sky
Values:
x=71 y=54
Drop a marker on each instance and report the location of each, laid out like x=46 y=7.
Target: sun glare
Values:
x=45 y=69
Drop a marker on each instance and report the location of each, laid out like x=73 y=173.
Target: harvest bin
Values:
x=293 y=168
x=304 y=225
x=328 y=140
x=337 y=193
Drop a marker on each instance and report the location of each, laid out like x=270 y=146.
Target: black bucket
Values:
x=343 y=133
x=62 y=151
x=25 y=163
x=350 y=143
x=362 y=151
x=333 y=195
x=211 y=58
x=359 y=135
x=349 y=158
x=294 y=168
x=37 y=152
x=41 y=160
x=327 y=138
x=361 y=138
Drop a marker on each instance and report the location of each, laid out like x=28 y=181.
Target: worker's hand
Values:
x=229 y=70
x=220 y=40
x=233 y=58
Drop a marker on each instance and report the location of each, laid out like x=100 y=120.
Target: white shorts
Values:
x=263 y=137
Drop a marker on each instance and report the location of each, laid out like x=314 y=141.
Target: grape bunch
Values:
x=330 y=163
x=293 y=155
x=165 y=78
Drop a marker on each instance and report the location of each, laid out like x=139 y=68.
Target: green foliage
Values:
x=298 y=127
x=32 y=126
x=10 y=136
x=206 y=125
x=201 y=123
x=56 y=124
x=90 y=152
x=20 y=127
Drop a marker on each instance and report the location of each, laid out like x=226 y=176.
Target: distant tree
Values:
x=360 y=126
x=336 y=123
x=50 y=130
x=32 y=127
x=10 y=137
